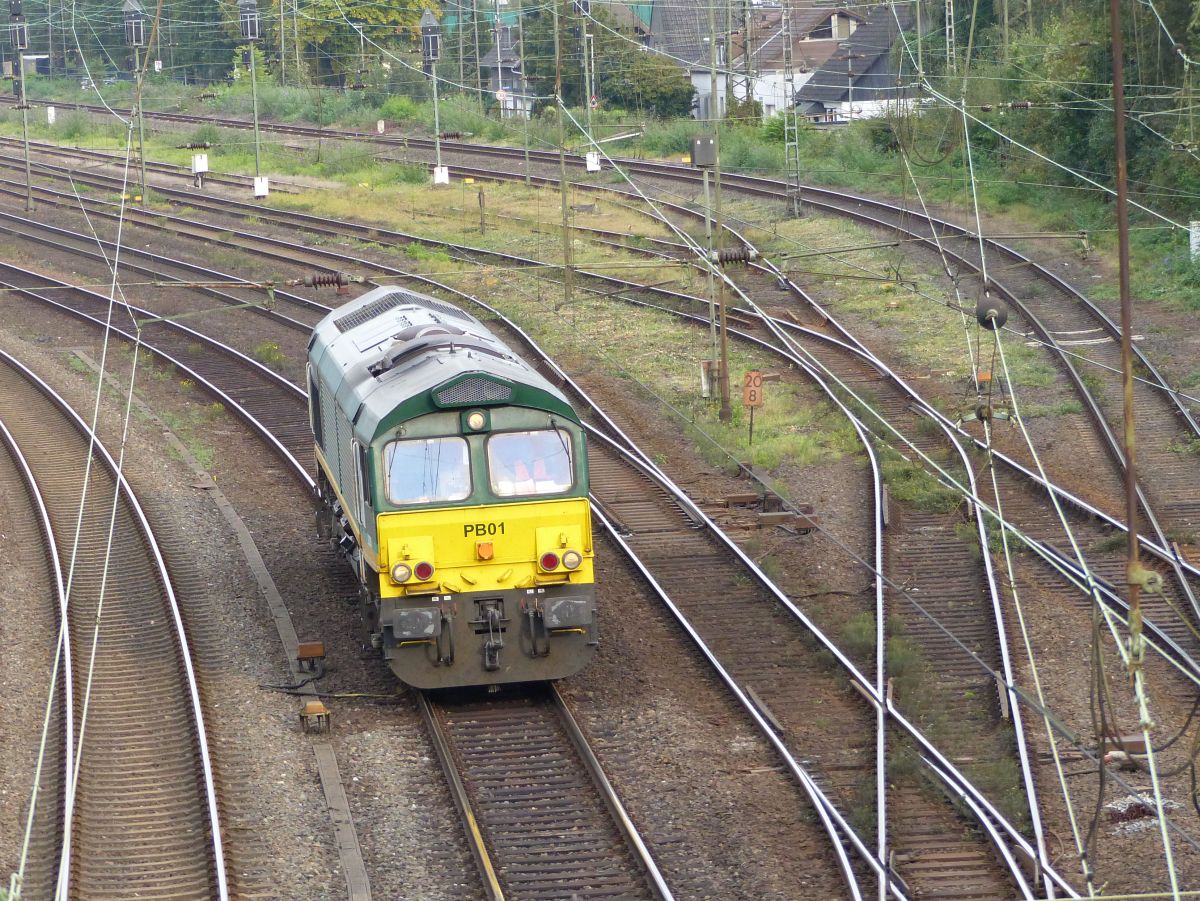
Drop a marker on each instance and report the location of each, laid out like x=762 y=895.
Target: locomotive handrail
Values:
x=185 y=653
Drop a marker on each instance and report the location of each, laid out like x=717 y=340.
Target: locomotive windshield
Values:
x=428 y=470
x=527 y=464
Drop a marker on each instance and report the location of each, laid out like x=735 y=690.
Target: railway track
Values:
x=222 y=384
x=37 y=870
x=771 y=282
x=549 y=825
x=1172 y=483
x=139 y=814
x=267 y=403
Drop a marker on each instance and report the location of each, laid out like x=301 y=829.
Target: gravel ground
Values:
x=29 y=626
x=813 y=564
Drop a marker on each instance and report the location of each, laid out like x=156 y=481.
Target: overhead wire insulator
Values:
x=1020 y=104
x=451 y=135
x=196 y=145
x=991 y=313
x=728 y=255
x=337 y=280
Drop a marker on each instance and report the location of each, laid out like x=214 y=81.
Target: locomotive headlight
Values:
x=572 y=559
x=476 y=421
x=401 y=572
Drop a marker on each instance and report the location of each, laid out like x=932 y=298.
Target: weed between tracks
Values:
x=197 y=421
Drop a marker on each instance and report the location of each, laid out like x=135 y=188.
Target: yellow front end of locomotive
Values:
x=495 y=548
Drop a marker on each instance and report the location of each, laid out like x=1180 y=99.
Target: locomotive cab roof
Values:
x=393 y=354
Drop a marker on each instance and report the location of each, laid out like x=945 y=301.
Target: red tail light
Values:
x=423 y=571
x=549 y=562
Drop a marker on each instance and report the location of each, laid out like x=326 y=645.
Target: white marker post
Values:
x=1194 y=233
x=51 y=115
x=441 y=175
x=261 y=188
x=593 y=161
x=199 y=168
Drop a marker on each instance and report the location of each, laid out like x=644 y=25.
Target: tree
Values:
x=652 y=83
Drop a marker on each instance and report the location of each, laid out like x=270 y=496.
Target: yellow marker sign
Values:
x=468 y=181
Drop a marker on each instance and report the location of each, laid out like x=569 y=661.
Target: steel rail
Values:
x=940 y=765
x=462 y=801
x=1158 y=640
x=1171 y=558
x=624 y=824
x=180 y=632
x=63 y=648
x=319 y=225
x=750 y=183
x=612 y=800
x=835 y=825
x=221 y=395
x=455 y=292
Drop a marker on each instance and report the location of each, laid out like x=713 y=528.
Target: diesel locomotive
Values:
x=452 y=477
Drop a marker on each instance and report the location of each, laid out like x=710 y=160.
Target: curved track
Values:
x=141 y=812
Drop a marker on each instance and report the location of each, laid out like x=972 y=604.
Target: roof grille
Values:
x=473 y=390
x=430 y=304
x=370 y=311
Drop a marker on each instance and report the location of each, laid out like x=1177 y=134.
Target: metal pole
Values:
x=499 y=68
x=254 y=103
x=526 y=112
x=712 y=286
x=296 y=41
x=137 y=66
x=475 y=41
x=714 y=112
x=587 y=75
x=462 y=65
x=437 y=120
x=562 y=159
x=282 y=54
x=50 y=39
x=20 y=61
x=1131 y=503
x=1004 y=26
x=850 y=88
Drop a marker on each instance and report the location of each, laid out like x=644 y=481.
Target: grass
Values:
x=1114 y=541
x=859 y=158
x=269 y=354
x=911 y=485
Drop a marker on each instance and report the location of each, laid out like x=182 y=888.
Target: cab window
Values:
x=427 y=470
x=527 y=464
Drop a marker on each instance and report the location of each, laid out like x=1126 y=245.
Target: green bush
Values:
x=400 y=109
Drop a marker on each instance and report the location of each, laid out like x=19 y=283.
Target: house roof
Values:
x=863 y=59
x=767 y=37
x=509 y=58
x=679 y=28
x=634 y=16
